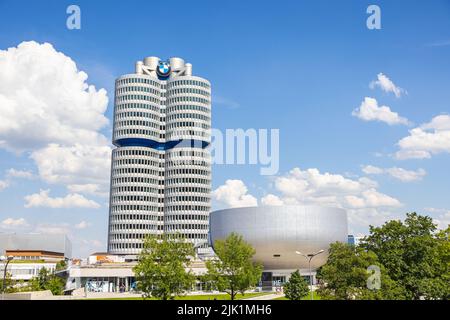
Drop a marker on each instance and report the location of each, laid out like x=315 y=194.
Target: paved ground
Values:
x=267 y=297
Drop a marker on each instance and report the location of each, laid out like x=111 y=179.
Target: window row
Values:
x=134 y=198
x=135 y=207
x=189 y=90
x=201 y=172
x=136 y=114
x=135 y=226
x=176 y=83
x=187 y=207
x=183 y=217
x=138 y=89
x=124 y=132
x=135 y=105
x=186 y=189
x=147 y=162
x=188 y=124
x=146 y=180
x=138 y=80
x=137 y=97
x=142 y=123
x=173 y=100
x=145 y=189
x=144 y=217
x=189 y=198
x=187 y=180
x=138 y=170
x=186 y=107
x=138 y=152
x=188 y=116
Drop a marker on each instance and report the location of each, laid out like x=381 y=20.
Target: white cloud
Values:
x=49 y=110
x=369 y=169
x=73 y=200
x=13 y=223
x=234 y=194
x=45 y=99
x=77 y=164
x=429 y=139
x=24 y=174
x=386 y=84
x=3 y=185
x=90 y=188
x=82 y=225
x=370 y=111
x=364 y=203
x=271 y=200
x=397 y=173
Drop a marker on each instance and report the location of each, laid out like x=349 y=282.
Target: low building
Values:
x=101 y=276
x=32 y=252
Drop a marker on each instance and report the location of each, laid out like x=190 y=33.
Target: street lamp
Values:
x=8 y=260
x=309 y=256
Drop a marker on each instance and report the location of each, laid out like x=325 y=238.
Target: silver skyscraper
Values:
x=160 y=168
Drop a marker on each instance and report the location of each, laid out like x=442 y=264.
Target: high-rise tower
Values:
x=160 y=168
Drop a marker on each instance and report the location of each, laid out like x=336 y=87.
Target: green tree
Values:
x=56 y=285
x=414 y=254
x=297 y=287
x=61 y=265
x=345 y=275
x=233 y=271
x=161 y=269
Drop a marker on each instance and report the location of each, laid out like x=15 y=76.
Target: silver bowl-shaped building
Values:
x=277 y=232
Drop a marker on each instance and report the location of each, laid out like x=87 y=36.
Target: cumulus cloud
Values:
x=397 y=173
x=271 y=200
x=77 y=163
x=10 y=223
x=234 y=194
x=49 y=110
x=365 y=204
x=24 y=174
x=386 y=84
x=429 y=139
x=370 y=111
x=73 y=200
x=90 y=188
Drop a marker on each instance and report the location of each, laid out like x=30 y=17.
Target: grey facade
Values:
x=277 y=232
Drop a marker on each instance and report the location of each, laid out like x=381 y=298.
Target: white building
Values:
x=161 y=171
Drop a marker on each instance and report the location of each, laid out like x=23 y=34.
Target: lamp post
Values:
x=8 y=260
x=310 y=256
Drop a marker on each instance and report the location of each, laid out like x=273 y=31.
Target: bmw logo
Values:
x=163 y=69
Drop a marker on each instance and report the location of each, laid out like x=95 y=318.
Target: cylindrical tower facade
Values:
x=161 y=168
x=187 y=200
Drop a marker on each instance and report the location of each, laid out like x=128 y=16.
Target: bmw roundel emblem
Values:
x=163 y=69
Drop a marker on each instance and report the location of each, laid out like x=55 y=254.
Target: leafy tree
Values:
x=345 y=276
x=8 y=285
x=297 y=287
x=56 y=285
x=233 y=271
x=61 y=265
x=161 y=269
x=414 y=255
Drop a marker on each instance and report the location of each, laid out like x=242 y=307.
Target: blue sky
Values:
x=300 y=66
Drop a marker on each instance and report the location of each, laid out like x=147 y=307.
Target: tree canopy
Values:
x=162 y=266
x=233 y=271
